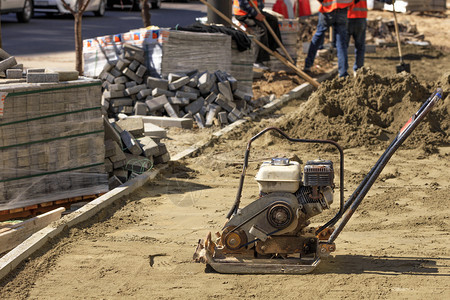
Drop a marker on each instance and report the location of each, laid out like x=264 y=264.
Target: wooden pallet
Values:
x=34 y=210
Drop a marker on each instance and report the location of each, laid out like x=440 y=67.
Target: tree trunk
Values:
x=145 y=13
x=78 y=43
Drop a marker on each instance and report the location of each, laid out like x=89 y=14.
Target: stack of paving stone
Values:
x=207 y=97
x=51 y=142
x=131 y=148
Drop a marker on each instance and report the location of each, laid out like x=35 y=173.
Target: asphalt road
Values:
x=56 y=34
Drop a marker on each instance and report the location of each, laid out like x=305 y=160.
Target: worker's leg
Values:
x=273 y=22
x=316 y=41
x=340 y=26
x=359 y=35
x=264 y=39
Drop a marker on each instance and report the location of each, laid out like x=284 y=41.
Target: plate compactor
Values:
x=272 y=234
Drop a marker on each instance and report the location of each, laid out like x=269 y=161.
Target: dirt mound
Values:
x=369 y=110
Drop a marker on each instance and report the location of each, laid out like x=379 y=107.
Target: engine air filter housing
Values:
x=319 y=173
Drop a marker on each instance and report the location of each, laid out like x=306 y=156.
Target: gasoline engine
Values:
x=276 y=223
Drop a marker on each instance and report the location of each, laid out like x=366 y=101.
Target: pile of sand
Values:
x=369 y=110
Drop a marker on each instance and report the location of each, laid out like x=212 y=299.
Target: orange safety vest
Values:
x=328 y=6
x=358 y=10
x=237 y=11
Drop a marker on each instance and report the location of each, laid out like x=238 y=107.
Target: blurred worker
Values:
x=357 y=24
x=331 y=13
x=246 y=14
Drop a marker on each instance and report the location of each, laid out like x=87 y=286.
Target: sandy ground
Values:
x=396 y=246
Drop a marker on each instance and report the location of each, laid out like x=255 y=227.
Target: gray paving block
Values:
x=105 y=103
x=42 y=77
x=237 y=113
x=18 y=66
x=178 y=83
x=224 y=103
x=115 y=72
x=124 y=101
x=114 y=182
x=135 y=126
x=127 y=110
x=159 y=92
x=130 y=74
x=168 y=122
x=14 y=73
x=4 y=54
x=211 y=98
x=113 y=94
x=140 y=109
x=149 y=146
x=175 y=76
x=109 y=66
x=153 y=130
x=189 y=89
x=223 y=117
x=36 y=70
x=241 y=95
x=135 y=89
x=144 y=93
x=225 y=89
x=108 y=165
x=195 y=106
x=116 y=87
x=122 y=64
x=121 y=79
x=110 y=148
x=170 y=110
x=178 y=101
x=212 y=113
x=156 y=103
x=190 y=96
x=153 y=83
x=110 y=132
x=161 y=159
x=67 y=75
x=110 y=78
x=140 y=72
x=199 y=120
x=121 y=174
x=193 y=81
x=134 y=65
x=232 y=117
x=233 y=82
x=130 y=84
x=7 y=63
x=130 y=143
x=118 y=157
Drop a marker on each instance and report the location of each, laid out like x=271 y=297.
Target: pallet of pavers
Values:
x=51 y=142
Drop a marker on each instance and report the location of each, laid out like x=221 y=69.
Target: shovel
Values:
x=402 y=66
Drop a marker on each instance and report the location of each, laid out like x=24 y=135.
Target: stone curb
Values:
x=268 y=108
x=13 y=258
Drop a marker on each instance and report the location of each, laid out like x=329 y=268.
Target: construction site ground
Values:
x=396 y=246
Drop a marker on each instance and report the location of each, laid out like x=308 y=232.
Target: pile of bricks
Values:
x=207 y=97
x=9 y=67
x=131 y=148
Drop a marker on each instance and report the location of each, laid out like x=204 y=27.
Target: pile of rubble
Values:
x=206 y=97
x=382 y=32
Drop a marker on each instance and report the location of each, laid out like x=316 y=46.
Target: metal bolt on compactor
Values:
x=272 y=234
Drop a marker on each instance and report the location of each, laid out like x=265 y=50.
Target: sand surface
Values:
x=396 y=246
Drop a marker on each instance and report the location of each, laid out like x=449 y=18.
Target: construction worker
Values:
x=245 y=13
x=331 y=13
x=357 y=24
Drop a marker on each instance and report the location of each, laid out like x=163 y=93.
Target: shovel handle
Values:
x=397 y=33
